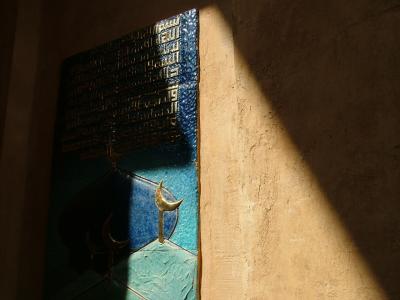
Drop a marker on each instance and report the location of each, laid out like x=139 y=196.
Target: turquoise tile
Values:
x=160 y=272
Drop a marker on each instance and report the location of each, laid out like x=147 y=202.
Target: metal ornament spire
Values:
x=163 y=205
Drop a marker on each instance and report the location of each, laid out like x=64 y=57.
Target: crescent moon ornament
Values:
x=163 y=205
x=112 y=244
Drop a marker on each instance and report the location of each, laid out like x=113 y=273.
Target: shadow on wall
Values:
x=331 y=72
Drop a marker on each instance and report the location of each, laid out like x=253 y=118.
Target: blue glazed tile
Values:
x=129 y=199
x=142 y=213
x=86 y=192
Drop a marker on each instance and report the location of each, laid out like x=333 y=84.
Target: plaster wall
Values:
x=299 y=122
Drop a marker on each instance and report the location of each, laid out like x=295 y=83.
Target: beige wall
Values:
x=300 y=149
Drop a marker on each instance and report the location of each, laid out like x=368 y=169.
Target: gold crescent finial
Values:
x=163 y=205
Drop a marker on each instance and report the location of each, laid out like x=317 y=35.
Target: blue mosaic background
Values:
x=175 y=164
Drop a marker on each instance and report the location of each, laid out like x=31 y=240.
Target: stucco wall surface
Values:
x=300 y=150
x=299 y=144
